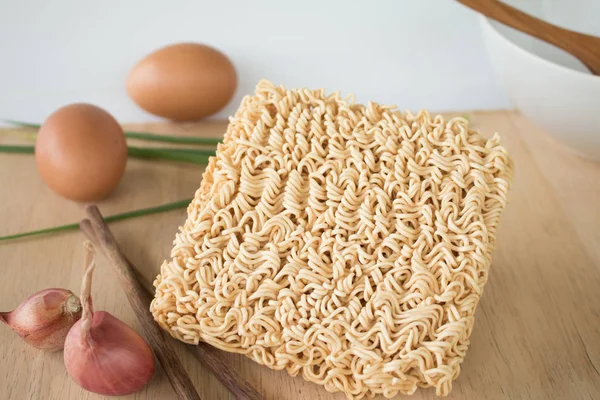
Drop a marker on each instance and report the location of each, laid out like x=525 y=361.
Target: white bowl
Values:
x=552 y=89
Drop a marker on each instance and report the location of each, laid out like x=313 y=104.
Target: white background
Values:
x=416 y=54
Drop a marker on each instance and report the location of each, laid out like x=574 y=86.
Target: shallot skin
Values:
x=114 y=360
x=44 y=319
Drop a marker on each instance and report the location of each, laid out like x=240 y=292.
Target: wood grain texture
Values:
x=537 y=329
x=585 y=47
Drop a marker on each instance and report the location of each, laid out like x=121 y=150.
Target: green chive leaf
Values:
x=16 y=149
x=110 y=218
x=194 y=156
x=150 y=137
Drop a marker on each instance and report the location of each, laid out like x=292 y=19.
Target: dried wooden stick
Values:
x=138 y=298
x=209 y=356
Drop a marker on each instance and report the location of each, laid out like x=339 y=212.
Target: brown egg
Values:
x=183 y=82
x=81 y=152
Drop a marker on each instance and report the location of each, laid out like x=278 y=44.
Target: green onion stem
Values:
x=195 y=156
x=20 y=123
x=110 y=218
x=184 y=155
x=17 y=149
x=150 y=137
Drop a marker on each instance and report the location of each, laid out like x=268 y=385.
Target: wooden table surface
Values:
x=537 y=330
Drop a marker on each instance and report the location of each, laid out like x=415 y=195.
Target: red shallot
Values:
x=103 y=354
x=45 y=318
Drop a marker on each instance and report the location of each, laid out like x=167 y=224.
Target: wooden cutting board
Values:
x=537 y=330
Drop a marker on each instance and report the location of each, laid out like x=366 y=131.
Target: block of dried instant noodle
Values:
x=346 y=243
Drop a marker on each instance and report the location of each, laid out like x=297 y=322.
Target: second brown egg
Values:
x=81 y=152
x=183 y=82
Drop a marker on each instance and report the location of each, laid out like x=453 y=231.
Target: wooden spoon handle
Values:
x=139 y=300
x=578 y=44
x=515 y=18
